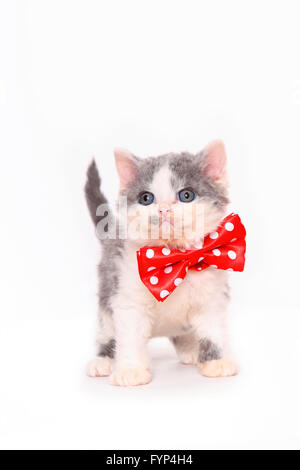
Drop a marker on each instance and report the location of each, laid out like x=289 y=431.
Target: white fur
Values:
x=161 y=186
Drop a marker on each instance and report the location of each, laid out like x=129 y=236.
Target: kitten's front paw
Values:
x=99 y=367
x=219 y=368
x=130 y=376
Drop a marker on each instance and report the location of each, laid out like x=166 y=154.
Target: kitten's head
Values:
x=173 y=199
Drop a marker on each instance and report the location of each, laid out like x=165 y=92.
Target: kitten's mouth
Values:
x=166 y=218
x=167 y=221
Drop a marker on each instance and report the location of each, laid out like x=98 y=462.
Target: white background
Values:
x=78 y=78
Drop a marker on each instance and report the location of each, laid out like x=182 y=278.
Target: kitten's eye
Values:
x=146 y=198
x=186 y=195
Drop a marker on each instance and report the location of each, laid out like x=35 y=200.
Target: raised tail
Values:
x=93 y=194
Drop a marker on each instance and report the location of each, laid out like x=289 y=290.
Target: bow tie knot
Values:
x=162 y=269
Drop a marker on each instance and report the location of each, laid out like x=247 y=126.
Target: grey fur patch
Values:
x=175 y=340
x=208 y=351
x=111 y=249
x=109 y=271
x=93 y=193
x=108 y=349
x=145 y=171
x=187 y=173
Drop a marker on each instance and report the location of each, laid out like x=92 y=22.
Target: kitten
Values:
x=194 y=315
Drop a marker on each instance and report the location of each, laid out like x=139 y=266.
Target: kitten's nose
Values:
x=164 y=208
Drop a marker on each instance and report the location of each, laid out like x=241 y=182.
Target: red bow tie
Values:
x=162 y=269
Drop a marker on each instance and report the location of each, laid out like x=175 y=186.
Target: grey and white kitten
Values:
x=193 y=317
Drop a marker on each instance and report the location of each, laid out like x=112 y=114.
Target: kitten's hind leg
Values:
x=214 y=358
x=212 y=362
x=101 y=366
x=187 y=348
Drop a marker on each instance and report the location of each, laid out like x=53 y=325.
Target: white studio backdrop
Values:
x=78 y=78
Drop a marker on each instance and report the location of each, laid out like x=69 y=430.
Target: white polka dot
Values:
x=217 y=252
x=166 y=251
x=178 y=281
x=232 y=254
x=151 y=269
x=186 y=269
x=213 y=266
x=199 y=269
x=153 y=280
x=149 y=253
x=182 y=250
x=168 y=270
x=200 y=259
x=234 y=240
x=229 y=226
x=214 y=235
x=164 y=293
x=229 y=269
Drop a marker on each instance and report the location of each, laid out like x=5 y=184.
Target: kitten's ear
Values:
x=213 y=161
x=126 y=164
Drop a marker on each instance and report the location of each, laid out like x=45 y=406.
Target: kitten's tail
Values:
x=94 y=196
